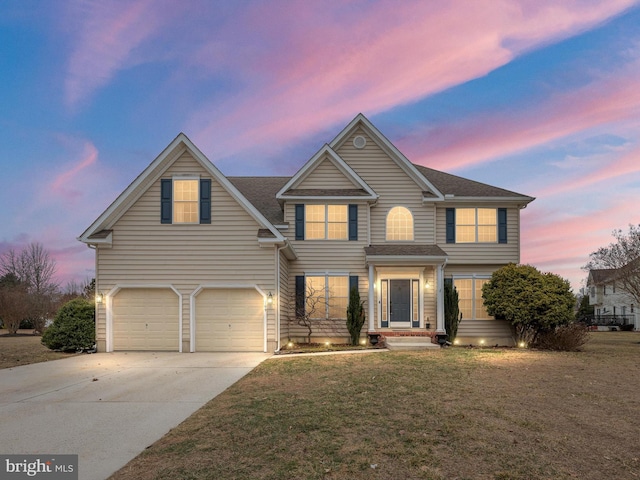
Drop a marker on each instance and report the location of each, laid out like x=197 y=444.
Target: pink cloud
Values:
x=328 y=65
x=628 y=164
x=559 y=239
x=477 y=140
x=108 y=32
x=63 y=182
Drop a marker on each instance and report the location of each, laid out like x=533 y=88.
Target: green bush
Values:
x=532 y=301
x=73 y=328
x=355 y=316
x=452 y=314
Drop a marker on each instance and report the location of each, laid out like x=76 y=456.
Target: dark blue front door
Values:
x=400 y=301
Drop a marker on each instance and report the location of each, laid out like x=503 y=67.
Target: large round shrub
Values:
x=73 y=327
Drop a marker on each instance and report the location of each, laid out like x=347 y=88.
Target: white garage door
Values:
x=145 y=319
x=229 y=320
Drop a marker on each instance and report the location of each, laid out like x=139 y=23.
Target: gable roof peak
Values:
x=396 y=155
x=325 y=152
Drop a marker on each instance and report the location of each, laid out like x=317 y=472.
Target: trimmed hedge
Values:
x=73 y=328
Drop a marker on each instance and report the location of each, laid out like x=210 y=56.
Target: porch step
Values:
x=410 y=343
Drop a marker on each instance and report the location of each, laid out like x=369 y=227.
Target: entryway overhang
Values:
x=403 y=255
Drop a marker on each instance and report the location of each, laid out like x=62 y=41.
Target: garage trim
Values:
x=109 y=306
x=192 y=309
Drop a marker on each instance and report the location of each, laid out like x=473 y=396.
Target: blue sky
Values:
x=540 y=97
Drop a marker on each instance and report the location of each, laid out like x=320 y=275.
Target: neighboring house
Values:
x=611 y=304
x=188 y=259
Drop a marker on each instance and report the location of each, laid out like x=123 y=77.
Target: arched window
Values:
x=399 y=224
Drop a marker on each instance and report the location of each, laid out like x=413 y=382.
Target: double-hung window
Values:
x=327 y=295
x=470 y=299
x=326 y=222
x=185 y=200
x=476 y=225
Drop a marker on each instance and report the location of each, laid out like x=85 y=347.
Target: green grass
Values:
x=452 y=413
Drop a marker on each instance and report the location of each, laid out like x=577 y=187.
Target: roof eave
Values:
x=331 y=197
x=405 y=259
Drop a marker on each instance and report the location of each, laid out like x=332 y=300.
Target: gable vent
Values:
x=359 y=142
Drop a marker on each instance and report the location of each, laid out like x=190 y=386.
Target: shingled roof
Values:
x=261 y=192
x=463 y=187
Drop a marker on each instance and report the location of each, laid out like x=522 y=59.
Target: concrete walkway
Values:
x=108 y=407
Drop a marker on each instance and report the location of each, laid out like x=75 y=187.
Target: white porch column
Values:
x=440 y=299
x=371 y=306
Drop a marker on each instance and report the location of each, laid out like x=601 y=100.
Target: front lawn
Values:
x=455 y=413
x=23 y=349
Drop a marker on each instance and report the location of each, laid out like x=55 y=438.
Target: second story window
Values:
x=399 y=224
x=476 y=225
x=326 y=222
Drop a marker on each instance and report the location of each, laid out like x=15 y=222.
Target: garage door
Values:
x=145 y=319
x=229 y=320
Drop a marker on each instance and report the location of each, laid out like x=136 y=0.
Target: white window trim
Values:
x=175 y=178
x=326 y=276
x=413 y=225
x=476 y=225
x=474 y=277
x=326 y=221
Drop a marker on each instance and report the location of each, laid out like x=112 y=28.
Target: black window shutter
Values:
x=353 y=222
x=300 y=291
x=502 y=225
x=353 y=282
x=451 y=225
x=205 y=200
x=166 y=193
x=299 y=221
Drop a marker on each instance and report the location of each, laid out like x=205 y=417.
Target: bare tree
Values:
x=622 y=256
x=13 y=302
x=311 y=309
x=35 y=269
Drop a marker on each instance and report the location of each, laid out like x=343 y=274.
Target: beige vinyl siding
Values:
x=430 y=297
x=285 y=299
x=326 y=175
x=472 y=331
x=185 y=256
x=319 y=256
x=478 y=253
x=393 y=185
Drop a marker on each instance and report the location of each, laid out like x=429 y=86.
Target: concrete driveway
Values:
x=107 y=407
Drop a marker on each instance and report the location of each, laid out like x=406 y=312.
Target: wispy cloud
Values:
x=63 y=183
x=108 y=32
x=478 y=139
x=328 y=65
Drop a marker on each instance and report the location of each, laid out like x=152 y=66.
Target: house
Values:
x=188 y=259
x=612 y=305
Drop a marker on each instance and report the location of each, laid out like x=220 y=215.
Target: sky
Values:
x=536 y=96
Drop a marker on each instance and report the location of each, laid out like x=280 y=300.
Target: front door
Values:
x=400 y=303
